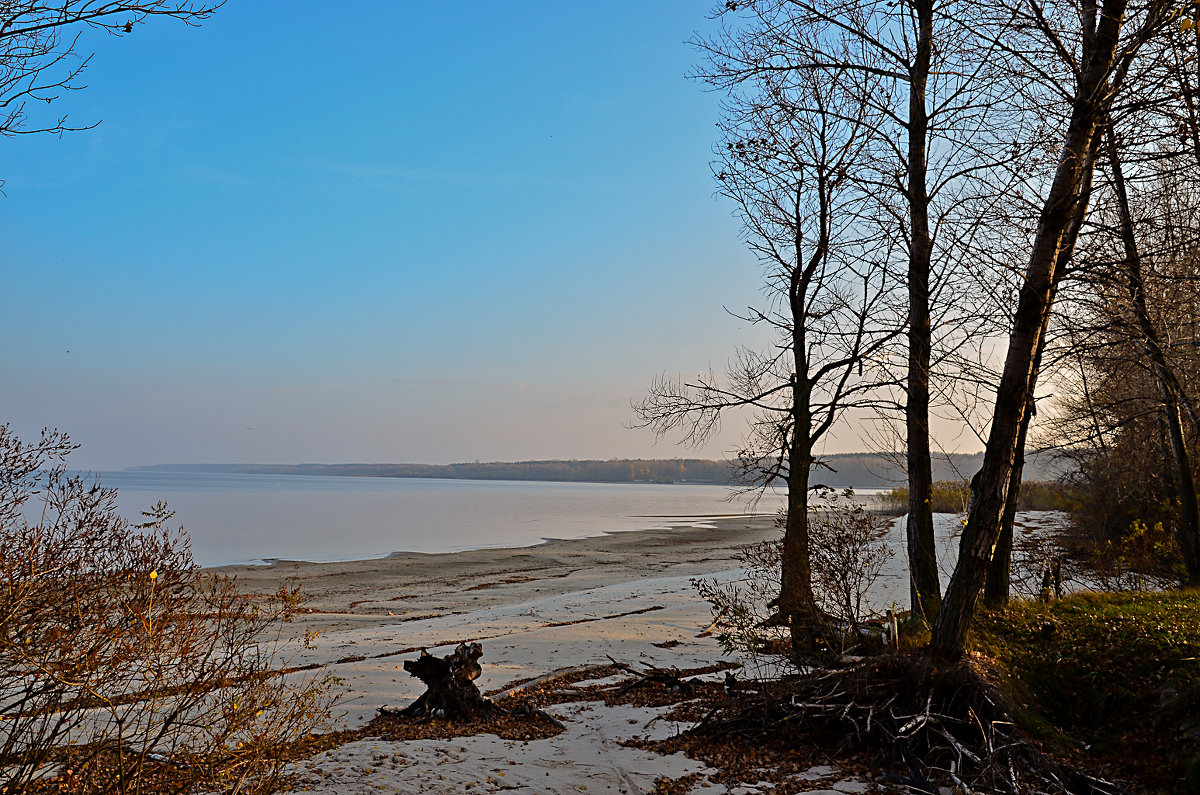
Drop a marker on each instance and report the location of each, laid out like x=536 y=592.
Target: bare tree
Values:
x=1136 y=307
x=791 y=144
x=941 y=155
x=1152 y=109
x=1096 y=43
x=41 y=56
x=1168 y=383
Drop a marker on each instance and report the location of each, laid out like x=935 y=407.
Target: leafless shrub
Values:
x=849 y=550
x=742 y=610
x=123 y=667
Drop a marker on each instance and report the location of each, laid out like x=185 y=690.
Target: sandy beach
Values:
x=537 y=611
x=409 y=586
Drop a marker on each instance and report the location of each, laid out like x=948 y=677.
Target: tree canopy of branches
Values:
x=41 y=55
x=1129 y=417
x=791 y=143
x=976 y=133
x=941 y=154
x=1077 y=56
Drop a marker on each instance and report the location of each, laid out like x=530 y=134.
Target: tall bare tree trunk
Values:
x=797 y=604
x=998 y=587
x=1169 y=388
x=924 y=589
x=1053 y=245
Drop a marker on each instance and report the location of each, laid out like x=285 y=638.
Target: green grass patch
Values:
x=952 y=496
x=1118 y=674
x=948 y=497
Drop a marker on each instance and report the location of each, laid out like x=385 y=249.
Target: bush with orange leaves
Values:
x=123 y=666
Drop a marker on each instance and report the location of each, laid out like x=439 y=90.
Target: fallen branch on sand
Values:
x=557 y=674
x=671 y=678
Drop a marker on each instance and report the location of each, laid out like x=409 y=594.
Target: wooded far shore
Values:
x=861 y=470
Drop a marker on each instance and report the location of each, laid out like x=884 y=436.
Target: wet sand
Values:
x=413 y=585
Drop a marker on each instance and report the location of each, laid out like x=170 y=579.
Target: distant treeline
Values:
x=862 y=470
x=677 y=470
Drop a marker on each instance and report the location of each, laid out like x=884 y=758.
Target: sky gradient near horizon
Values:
x=372 y=232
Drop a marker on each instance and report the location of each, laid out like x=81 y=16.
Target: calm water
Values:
x=892 y=586
x=250 y=518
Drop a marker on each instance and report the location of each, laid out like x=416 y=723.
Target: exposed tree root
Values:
x=451 y=692
x=932 y=724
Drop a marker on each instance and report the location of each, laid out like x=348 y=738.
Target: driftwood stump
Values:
x=450 y=690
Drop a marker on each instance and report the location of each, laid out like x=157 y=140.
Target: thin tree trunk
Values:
x=1052 y=248
x=924 y=588
x=1185 y=483
x=998 y=587
x=797 y=603
x=1002 y=543
x=990 y=493
x=1168 y=384
x=997 y=590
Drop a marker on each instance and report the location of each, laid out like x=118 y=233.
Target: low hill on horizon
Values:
x=861 y=470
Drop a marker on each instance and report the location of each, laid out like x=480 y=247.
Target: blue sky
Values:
x=372 y=231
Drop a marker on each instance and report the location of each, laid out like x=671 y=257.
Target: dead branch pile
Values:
x=670 y=678
x=948 y=725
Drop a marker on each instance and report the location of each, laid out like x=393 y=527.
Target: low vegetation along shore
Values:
x=952 y=496
x=649 y=661
x=1112 y=680
x=609 y=672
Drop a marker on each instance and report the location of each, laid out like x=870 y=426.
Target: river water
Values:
x=234 y=518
